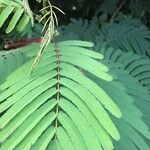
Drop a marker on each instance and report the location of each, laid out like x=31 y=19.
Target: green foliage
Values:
x=68 y=101
x=9 y=61
x=137 y=66
x=128 y=35
x=15 y=10
x=68 y=97
x=28 y=32
x=130 y=70
x=127 y=67
x=80 y=95
x=79 y=30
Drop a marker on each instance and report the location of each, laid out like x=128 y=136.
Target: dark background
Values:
x=139 y=9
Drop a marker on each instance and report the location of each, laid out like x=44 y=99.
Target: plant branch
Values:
x=28 y=10
x=116 y=12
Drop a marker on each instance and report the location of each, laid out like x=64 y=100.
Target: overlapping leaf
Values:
x=134 y=132
x=136 y=65
x=9 y=61
x=128 y=35
x=15 y=11
x=79 y=30
x=58 y=104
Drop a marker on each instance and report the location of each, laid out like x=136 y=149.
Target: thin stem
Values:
x=44 y=16
x=28 y=10
x=58 y=90
x=45 y=24
x=116 y=12
x=44 y=5
x=55 y=17
x=59 y=9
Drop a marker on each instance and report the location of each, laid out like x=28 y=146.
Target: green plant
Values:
x=54 y=88
x=9 y=61
x=7 y=7
x=128 y=35
x=79 y=95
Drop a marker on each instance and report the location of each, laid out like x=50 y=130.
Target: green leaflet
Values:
x=37 y=131
x=54 y=144
x=129 y=59
x=28 y=110
x=20 y=73
x=76 y=43
x=43 y=141
x=145 y=81
x=24 y=96
x=72 y=131
x=75 y=55
x=22 y=92
x=30 y=50
x=23 y=102
x=125 y=57
x=124 y=143
x=134 y=120
x=83 y=125
x=4 y=15
x=81 y=50
x=27 y=84
x=65 y=140
x=26 y=127
x=94 y=68
x=127 y=35
x=99 y=130
x=132 y=134
x=23 y=22
x=108 y=53
x=130 y=113
x=137 y=66
x=94 y=106
x=115 y=55
x=137 y=63
x=141 y=69
x=9 y=2
x=10 y=61
x=73 y=73
x=66 y=104
x=16 y=10
x=14 y=20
